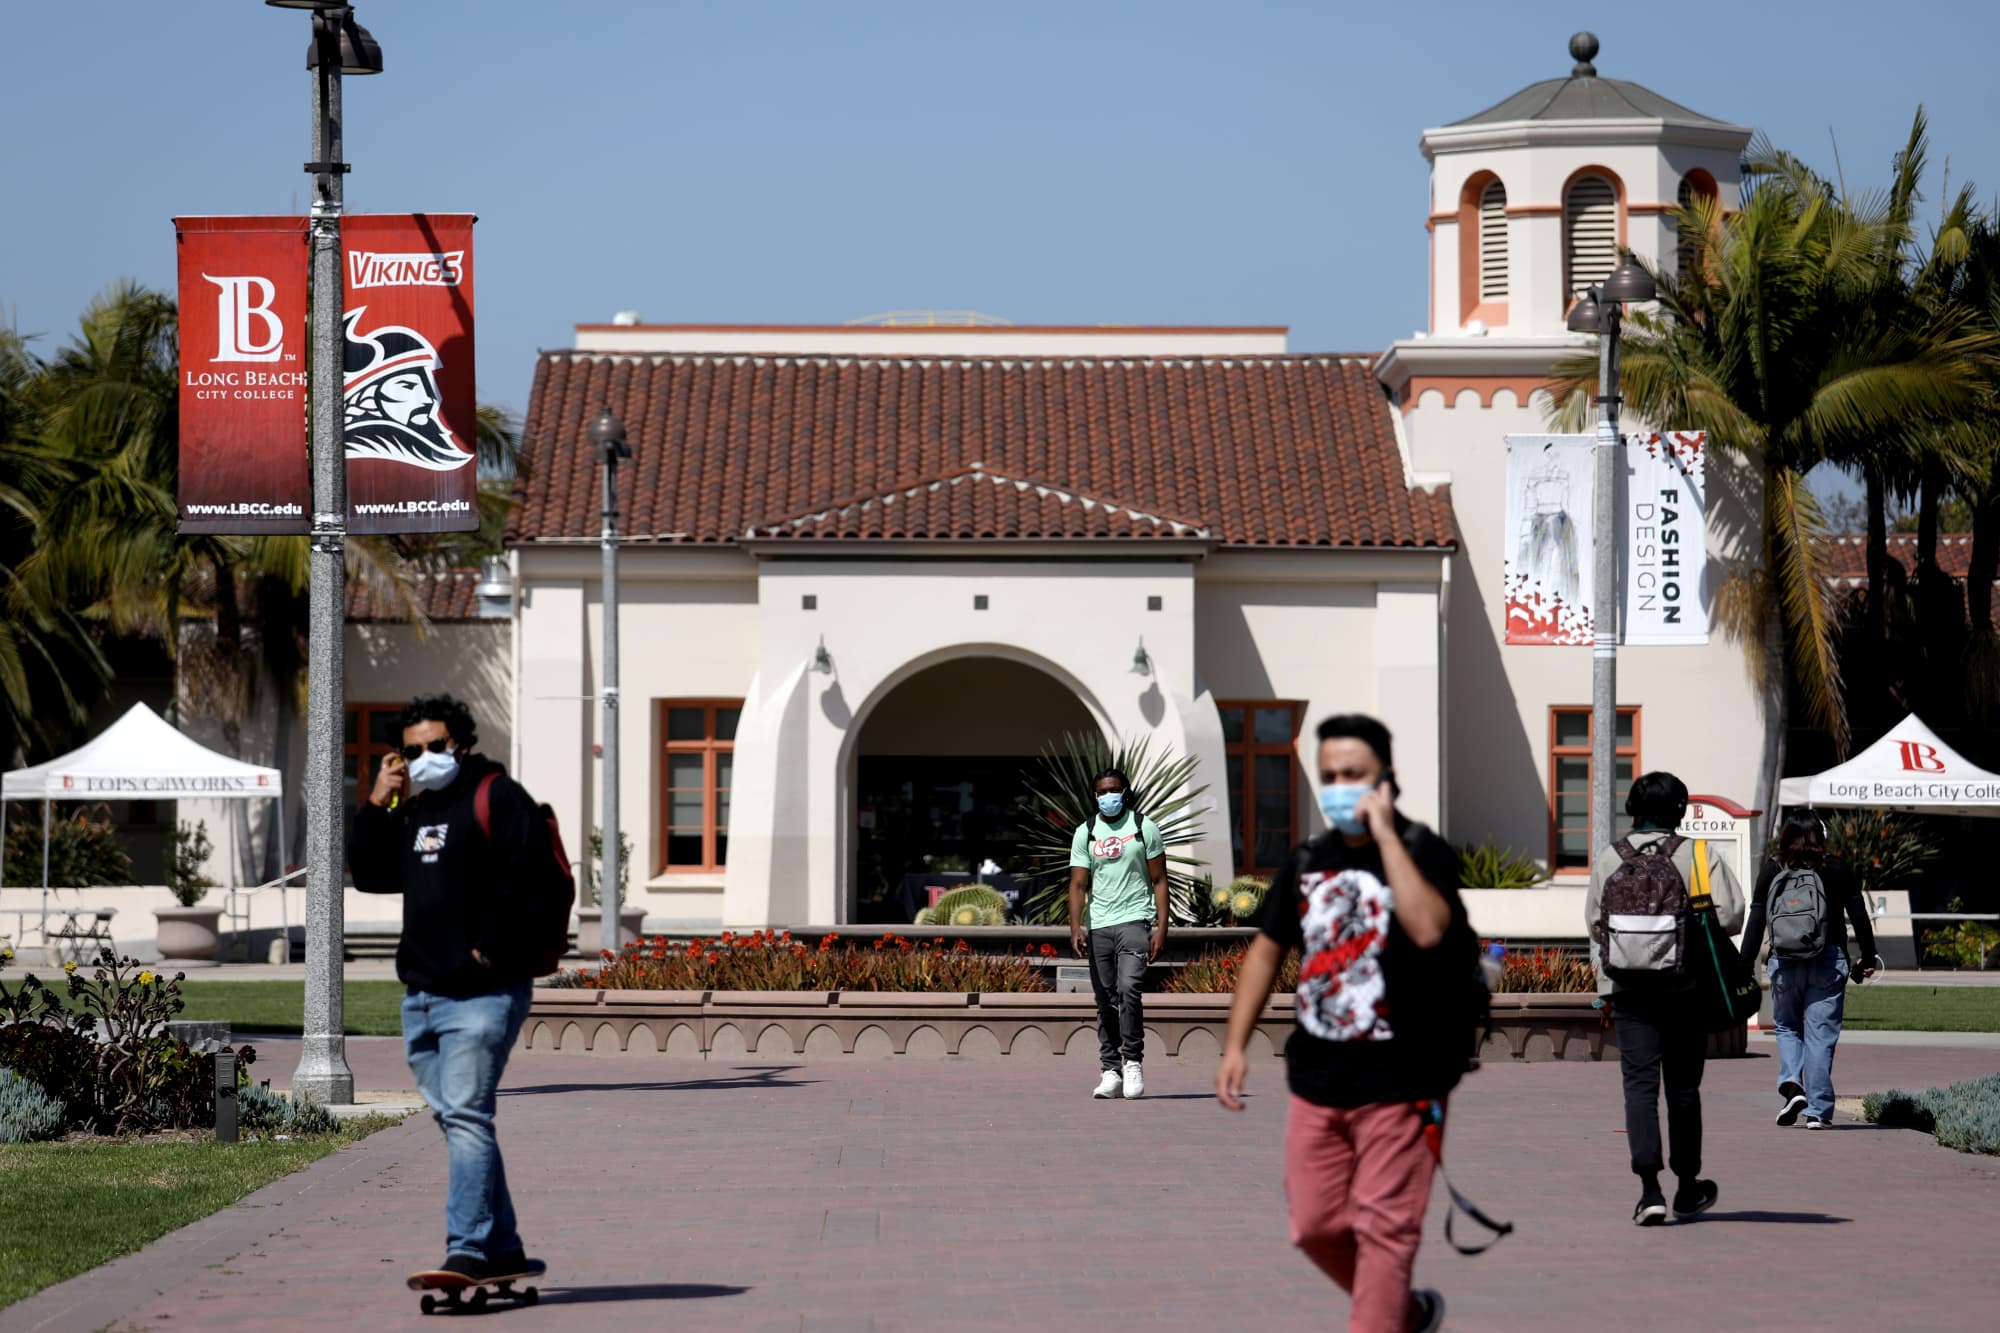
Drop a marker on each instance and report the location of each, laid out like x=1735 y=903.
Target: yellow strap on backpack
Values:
x=1698 y=881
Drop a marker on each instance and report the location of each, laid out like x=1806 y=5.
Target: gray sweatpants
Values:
x=1118 y=958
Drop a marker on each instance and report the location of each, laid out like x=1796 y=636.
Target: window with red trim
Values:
x=1259 y=746
x=697 y=768
x=1570 y=780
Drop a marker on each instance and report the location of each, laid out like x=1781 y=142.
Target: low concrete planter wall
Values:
x=1035 y=1024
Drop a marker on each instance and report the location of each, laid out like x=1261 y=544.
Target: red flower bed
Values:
x=773 y=960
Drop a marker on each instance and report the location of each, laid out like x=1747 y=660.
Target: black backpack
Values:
x=548 y=889
x=1642 y=916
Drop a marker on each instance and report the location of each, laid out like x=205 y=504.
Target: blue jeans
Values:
x=457 y=1050
x=1807 y=1001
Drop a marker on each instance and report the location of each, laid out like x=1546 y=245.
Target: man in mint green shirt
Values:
x=1118 y=858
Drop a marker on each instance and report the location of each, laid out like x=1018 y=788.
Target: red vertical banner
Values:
x=409 y=407
x=243 y=375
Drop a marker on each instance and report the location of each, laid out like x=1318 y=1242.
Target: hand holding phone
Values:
x=392 y=782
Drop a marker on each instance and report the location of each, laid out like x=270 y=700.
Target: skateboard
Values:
x=454 y=1286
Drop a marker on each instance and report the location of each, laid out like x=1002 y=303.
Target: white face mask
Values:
x=433 y=772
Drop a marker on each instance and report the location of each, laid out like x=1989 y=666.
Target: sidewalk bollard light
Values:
x=225 y=1096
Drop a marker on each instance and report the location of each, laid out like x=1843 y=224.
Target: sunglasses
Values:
x=410 y=752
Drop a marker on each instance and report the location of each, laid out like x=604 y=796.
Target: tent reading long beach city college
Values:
x=1909 y=769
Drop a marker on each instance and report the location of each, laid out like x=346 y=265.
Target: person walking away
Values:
x=1661 y=1032
x=1805 y=897
x=1373 y=907
x=465 y=959
x=1119 y=861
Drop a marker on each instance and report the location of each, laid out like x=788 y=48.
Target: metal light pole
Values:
x=608 y=434
x=340 y=46
x=1601 y=311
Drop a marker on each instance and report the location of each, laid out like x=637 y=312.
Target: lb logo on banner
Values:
x=1547 y=572
x=1663 y=539
x=243 y=375
x=408 y=405
x=409 y=411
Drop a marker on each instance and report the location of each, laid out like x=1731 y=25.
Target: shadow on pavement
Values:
x=650 y=1291
x=1760 y=1215
x=767 y=1077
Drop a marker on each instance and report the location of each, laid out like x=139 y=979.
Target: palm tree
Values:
x=1774 y=344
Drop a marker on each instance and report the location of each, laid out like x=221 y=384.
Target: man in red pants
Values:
x=1373 y=907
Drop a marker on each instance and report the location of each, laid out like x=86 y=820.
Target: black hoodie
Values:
x=458 y=885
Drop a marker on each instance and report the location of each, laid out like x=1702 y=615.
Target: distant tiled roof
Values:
x=1848 y=554
x=1283 y=451
x=444 y=596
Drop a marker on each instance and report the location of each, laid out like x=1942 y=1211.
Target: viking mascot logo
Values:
x=393 y=403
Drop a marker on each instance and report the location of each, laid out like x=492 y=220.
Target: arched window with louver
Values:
x=1493 y=242
x=1590 y=232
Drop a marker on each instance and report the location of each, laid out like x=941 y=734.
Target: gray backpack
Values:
x=1643 y=914
x=1798 y=915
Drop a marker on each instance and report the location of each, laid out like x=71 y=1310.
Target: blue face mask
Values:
x=1338 y=801
x=433 y=772
x=1111 y=804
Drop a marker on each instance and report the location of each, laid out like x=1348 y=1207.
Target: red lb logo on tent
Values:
x=1919 y=758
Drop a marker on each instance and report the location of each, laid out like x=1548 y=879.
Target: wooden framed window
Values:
x=369 y=731
x=1569 y=784
x=697 y=768
x=1259 y=745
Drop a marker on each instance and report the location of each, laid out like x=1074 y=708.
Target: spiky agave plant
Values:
x=1059 y=788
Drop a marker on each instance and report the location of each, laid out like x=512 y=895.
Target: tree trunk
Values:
x=1878 y=552
x=1777 y=720
x=1985 y=570
x=1929 y=503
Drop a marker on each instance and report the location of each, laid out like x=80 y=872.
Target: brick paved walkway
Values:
x=922 y=1196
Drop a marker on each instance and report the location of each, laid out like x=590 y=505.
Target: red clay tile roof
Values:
x=1848 y=554
x=444 y=596
x=1284 y=451
x=975 y=502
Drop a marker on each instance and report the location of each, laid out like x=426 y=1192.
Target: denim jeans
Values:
x=1807 y=1001
x=1118 y=958
x=457 y=1050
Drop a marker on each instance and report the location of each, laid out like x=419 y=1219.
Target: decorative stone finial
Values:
x=1583 y=49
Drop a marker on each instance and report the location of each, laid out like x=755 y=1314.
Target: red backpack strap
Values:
x=482 y=803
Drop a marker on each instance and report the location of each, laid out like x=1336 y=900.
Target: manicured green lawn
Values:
x=1923 y=1008
x=72 y=1206
x=371 y=1009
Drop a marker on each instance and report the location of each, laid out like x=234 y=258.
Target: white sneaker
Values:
x=1135 y=1081
x=1107 y=1086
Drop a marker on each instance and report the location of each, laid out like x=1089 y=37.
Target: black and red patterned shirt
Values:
x=1354 y=970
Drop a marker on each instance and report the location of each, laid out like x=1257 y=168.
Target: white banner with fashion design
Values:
x=1662 y=527
x=1663 y=555
x=1546 y=578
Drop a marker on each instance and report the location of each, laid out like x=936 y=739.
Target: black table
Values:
x=912 y=892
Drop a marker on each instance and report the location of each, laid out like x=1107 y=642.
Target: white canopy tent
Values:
x=1908 y=769
x=140 y=757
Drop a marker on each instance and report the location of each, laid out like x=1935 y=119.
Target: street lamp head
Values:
x=608 y=434
x=1629 y=282
x=1585 y=316
x=360 y=53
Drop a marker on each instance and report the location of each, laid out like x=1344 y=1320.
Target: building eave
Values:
x=1513 y=357
x=1582 y=134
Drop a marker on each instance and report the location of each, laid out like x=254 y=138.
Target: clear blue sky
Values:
x=1073 y=162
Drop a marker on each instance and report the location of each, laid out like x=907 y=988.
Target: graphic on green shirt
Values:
x=1116 y=852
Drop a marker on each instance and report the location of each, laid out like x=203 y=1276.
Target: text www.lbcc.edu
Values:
x=416 y=507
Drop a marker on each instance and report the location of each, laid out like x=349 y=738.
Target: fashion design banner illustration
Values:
x=409 y=410
x=1663 y=539
x=1548 y=557
x=243 y=375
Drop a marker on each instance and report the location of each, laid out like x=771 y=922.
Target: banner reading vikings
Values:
x=1663 y=546
x=409 y=409
x=243 y=375
x=1547 y=572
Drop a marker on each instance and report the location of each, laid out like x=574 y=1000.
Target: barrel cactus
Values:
x=1246 y=894
x=973 y=905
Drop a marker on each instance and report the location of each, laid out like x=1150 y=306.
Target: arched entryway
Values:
x=936 y=771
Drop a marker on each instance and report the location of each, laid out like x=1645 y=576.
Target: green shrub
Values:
x=187 y=852
x=1884 y=849
x=1962 y=943
x=1488 y=865
x=973 y=905
x=27 y=1113
x=83 y=851
x=261 y=1110
x=1965 y=1116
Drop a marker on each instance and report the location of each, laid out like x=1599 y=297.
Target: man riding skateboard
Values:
x=449 y=830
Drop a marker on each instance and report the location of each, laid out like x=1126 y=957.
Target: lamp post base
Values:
x=323 y=1074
